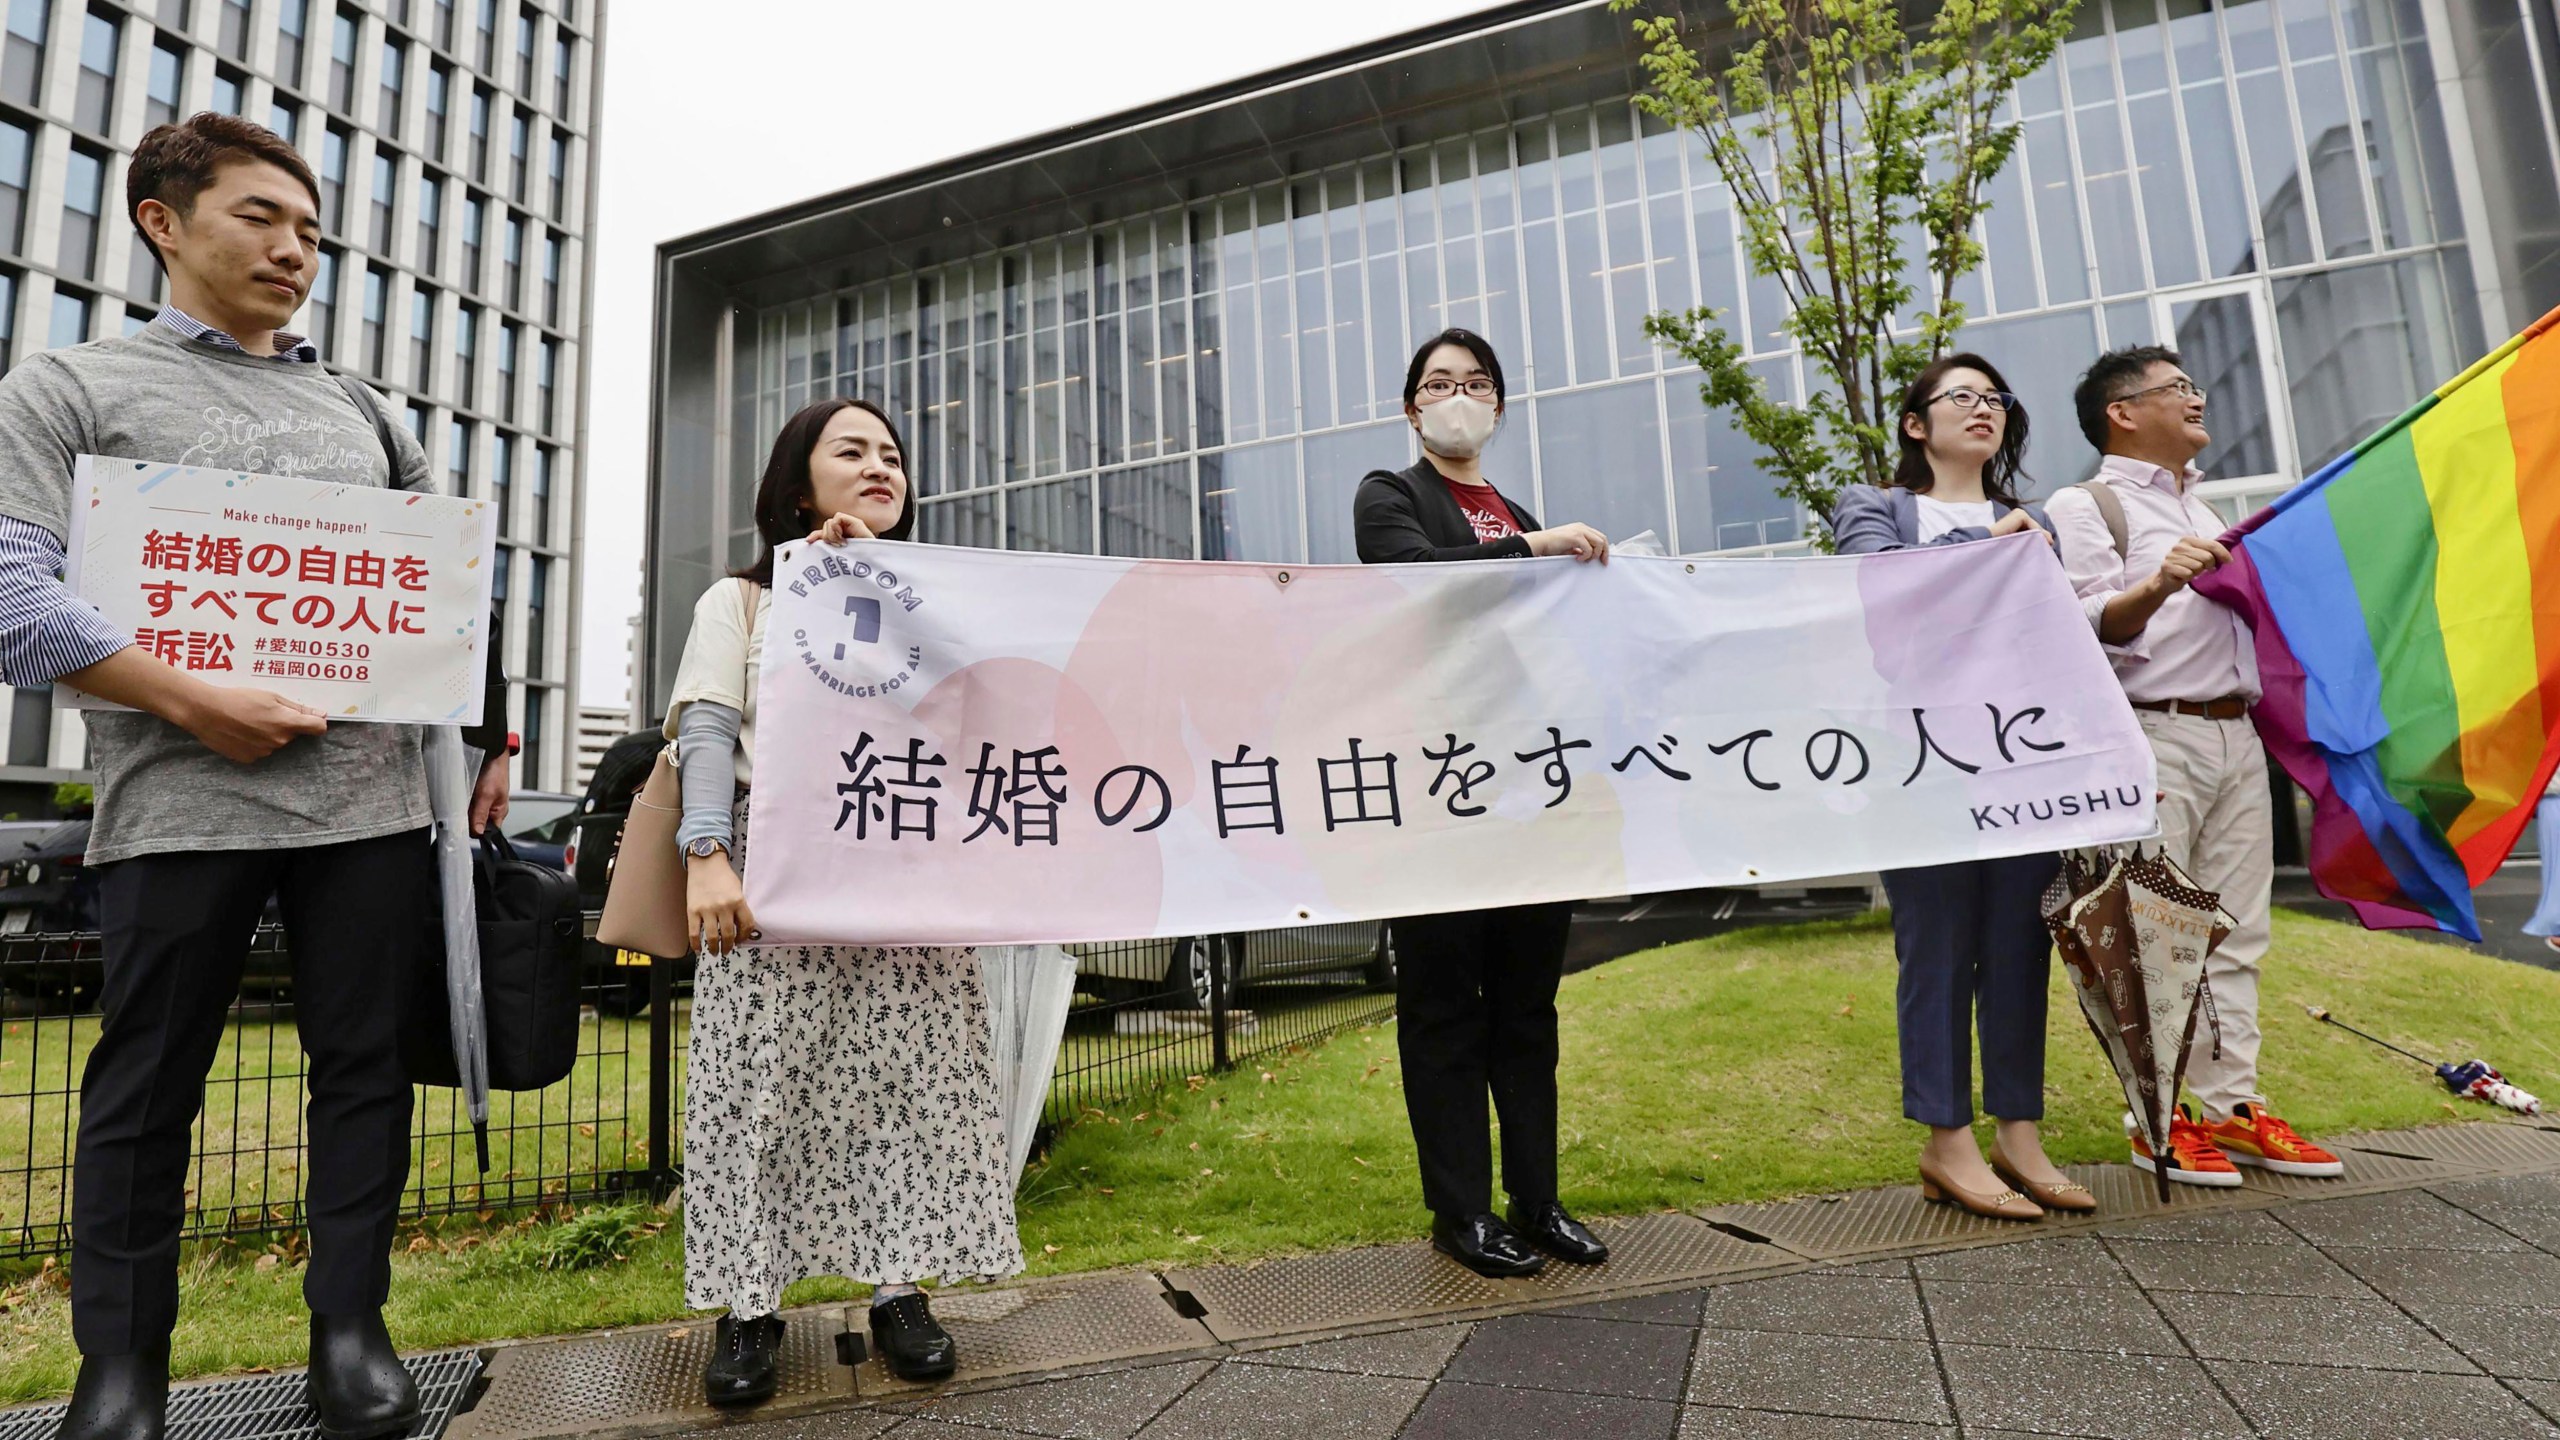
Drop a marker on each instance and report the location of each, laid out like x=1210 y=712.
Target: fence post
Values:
x=1217 y=950
x=662 y=1049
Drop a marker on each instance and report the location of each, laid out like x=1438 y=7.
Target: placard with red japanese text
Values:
x=365 y=603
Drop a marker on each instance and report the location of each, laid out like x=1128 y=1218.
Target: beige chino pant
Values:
x=2217 y=824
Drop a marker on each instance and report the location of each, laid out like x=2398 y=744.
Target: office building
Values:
x=1182 y=330
x=452 y=141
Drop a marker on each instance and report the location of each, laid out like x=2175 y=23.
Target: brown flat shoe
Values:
x=2070 y=1195
x=1937 y=1189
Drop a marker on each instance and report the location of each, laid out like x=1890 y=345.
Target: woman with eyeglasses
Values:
x=1969 y=936
x=1476 y=991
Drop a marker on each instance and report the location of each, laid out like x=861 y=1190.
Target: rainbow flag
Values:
x=2406 y=601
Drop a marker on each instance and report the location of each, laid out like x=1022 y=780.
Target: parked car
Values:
x=539 y=823
x=1175 y=973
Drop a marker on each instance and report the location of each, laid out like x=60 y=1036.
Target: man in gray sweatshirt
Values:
x=211 y=798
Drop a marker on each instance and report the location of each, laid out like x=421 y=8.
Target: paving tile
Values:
x=1563 y=1352
x=1818 y=1302
x=2295 y=1269
x=2526 y=1277
x=2309 y=1330
x=2292 y=1402
x=938 y=1430
x=1818 y=1374
x=2511 y=1340
x=2395 y=1220
x=1405 y=1354
x=2542 y=1394
x=2064 y=1260
x=1458 y=1411
x=2049 y=1317
x=2071 y=1392
x=1707 y=1422
x=1109 y=1406
x=2220 y=1227
x=1891 y=1269
x=2524 y=1205
x=1671 y=1307
x=1271 y=1402
x=820 y=1425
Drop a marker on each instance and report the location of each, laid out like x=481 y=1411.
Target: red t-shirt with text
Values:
x=1483 y=507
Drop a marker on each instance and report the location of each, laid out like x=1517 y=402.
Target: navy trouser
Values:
x=357 y=916
x=1974 y=952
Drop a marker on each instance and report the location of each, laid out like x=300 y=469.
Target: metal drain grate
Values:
x=1036 y=1328
x=271 y=1407
x=1650 y=1251
x=644 y=1379
x=2491 y=1146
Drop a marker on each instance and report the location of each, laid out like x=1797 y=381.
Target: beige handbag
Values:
x=644 y=909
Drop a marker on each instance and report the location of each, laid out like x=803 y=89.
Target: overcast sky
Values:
x=779 y=100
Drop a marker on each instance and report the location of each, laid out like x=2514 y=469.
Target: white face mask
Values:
x=1457 y=427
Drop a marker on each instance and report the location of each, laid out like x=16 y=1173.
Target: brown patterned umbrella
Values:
x=2134 y=932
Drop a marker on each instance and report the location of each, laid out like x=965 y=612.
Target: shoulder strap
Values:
x=363 y=398
x=2110 y=509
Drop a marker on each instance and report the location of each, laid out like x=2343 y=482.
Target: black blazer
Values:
x=1402 y=516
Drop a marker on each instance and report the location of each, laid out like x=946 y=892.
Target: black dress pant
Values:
x=1476 y=1015
x=177 y=929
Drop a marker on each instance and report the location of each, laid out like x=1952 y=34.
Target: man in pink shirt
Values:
x=2191 y=672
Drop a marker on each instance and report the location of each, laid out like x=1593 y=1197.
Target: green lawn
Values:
x=1751 y=1065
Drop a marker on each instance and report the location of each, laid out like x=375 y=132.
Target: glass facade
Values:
x=2267 y=185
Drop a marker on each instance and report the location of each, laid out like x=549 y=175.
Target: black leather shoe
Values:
x=909 y=1340
x=120 y=1397
x=1559 y=1234
x=357 y=1382
x=746 y=1361
x=1485 y=1245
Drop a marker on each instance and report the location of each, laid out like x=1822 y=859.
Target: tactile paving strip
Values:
x=1876 y=1222
x=1339 y=1289
x=1307 y=1294
x=1035 y=1328
x=2505 y=1148
x=271 y=1407
x=636 y=1380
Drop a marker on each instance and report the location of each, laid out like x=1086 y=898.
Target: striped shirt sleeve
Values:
x=45 y=630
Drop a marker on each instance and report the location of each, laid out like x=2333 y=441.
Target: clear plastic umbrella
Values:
x=1029 y=988
x=452 y=770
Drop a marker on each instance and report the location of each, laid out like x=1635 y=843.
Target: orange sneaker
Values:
x=2253 y=1137
x=2193 y=1157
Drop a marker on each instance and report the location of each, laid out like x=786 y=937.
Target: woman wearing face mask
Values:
x=1476 y=992
x=1969 y=936
x=843 y=1116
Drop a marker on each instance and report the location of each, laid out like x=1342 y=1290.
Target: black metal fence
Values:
x=1147 y=1015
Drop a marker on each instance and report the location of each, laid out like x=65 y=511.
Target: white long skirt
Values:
x=840 y=1119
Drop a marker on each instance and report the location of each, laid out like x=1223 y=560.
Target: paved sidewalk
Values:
x=2420 y=1312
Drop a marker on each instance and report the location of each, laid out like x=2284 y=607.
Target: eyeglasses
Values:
x=1440 y=387
x=2186 y=388
x=1967 y=399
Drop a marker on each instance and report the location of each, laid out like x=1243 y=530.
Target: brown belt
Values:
x=2229 y=707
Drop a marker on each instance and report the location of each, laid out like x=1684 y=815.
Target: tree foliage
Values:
x=1843 y=133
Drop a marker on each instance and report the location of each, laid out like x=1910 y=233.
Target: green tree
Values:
x=1844 y=134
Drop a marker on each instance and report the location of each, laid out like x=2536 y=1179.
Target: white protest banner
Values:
x=976 y=746
x=365 y=603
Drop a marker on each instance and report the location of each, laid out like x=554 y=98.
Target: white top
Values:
x=1937 y=517
x=721 y=660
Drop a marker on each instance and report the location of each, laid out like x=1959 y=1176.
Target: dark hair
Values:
x=2105 y=382
x=1467 y=340
x=782 y=497
x=2001 y=474
x=175 y=163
